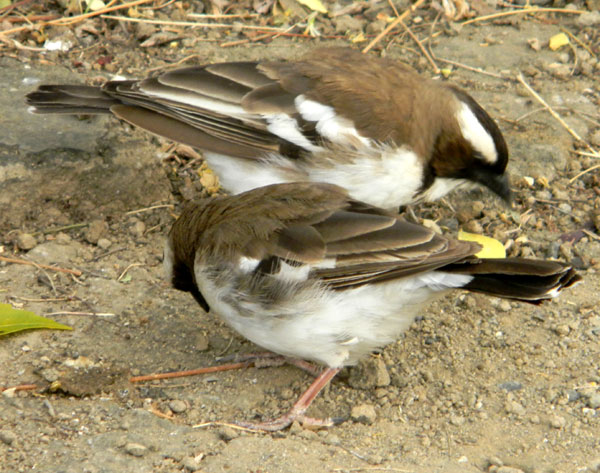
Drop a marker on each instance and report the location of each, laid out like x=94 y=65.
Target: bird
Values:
x=306 y=272
x=371 y=125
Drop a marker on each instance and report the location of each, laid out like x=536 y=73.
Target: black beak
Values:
x=497 y=183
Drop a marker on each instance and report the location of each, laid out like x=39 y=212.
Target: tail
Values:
x=73 y=99
x=517 y=278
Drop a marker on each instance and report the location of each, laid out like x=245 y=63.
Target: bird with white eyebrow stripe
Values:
x=373 y=126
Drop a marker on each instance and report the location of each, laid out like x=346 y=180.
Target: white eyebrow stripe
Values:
x=474 y=132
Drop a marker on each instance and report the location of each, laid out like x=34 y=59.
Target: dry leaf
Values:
x=314 y=5
x=558 y=41
x=491 y=248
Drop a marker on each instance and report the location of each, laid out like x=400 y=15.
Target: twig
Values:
x=572 y=132
x=590 y=234
x=20 y=387
x=65 y=227
x=192 y=24
x=472 y=69
x=591 y=155
x=578 y=41
x=181 y=374
x=436 y=69
x=213 y=16
x=74 y=19
x=147 y=209
x=95 y=314
x=49 y=299
x=44 y=266
x=518 y=12
x=132 y=265
x=392 y=25
x=226 y=424
x=108 y=253
x=585 y=171
x=264 y=36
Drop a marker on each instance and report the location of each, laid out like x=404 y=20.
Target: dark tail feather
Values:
x=517 y=278
x=73 y=99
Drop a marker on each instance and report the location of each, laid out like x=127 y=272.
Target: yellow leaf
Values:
x=491 y=248
x=95 y=5
x=15 y=320
x=558 y=41
x=315 y=5
x=446 y=72
x=5 y=3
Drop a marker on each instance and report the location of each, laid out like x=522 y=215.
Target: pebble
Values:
x=191 y=464
x=594 y=401
x=562 y=330
x=369 y=373
x=135 y=449
x=588 y=19
x=513 y=407
x=473 y=226
x=8 y=437
x=26 y=241
x=138 y=229
x=558 y=422
x=510 y=386
x=177 y=406
x=95 y=231
x=104 y=243
x=457 y=420
x=227 y=434
x=363 y=413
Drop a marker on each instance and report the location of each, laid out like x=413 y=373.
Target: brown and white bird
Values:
x=370 y=125
x=304 y=271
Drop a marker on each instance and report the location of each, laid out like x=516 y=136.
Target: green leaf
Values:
x=15 y=320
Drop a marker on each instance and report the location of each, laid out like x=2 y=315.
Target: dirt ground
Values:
x=477 y=384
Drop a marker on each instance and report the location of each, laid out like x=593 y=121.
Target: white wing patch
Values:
x=476 y=134
x=331 y=126
x=287 y=128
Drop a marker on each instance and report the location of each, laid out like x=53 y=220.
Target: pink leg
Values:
x=299 y=408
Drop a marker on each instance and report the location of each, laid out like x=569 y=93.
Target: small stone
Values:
x=104 y=243
x=345 y=23
x=295 y=428
x=227 y=433
x=26 y=241
x=558 y=422
x=135 y=449
x=457 y=420
x=369 y=373
x=138 y=229
x=177 y=406
x=513 y=407
x=594 y=401
x=191 y=463
x=49 y=374
x=95 y=231
x=504 y=306
x=495 y=461
x=510 y=386
x=473 y=226
x=562 y=330
x=363 y=413
x=8 y=437
x=588 y=19
x=535 y=419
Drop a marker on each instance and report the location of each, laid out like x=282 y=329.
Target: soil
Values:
x=477 y=384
